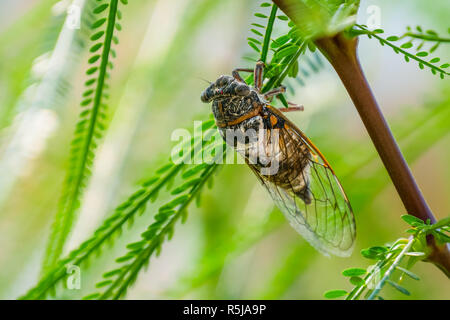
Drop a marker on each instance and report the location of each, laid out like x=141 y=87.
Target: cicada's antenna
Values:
x=209 y=82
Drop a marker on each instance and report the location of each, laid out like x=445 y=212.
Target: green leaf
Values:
x=258 y=25
x=333 y=294
x=98 y=23
x=164 y=168
x=376 y=252
x=91 y=296
x=101 y=8
x=354 y=272
x=193 y=171
x=434 y=60
x=260 y=15
x=103 y=283
x=412 y=220
x=85 y=102
x=406 y=45
x=91 y=70
x=90 y=82
x=407 y=272
x=357 y=281
x=254 y=40
x=293 y=71
x=150 y=181
x=440 y=236
x=415 y=254
x=256 y=32
x=94 y=59
x=253 y=46
x=135 y=245
x=422 y=54
x=280 y=41
x=316 y=19
x=185 y=186
x=290 y=50
x=112 y=273
x=125 y=258
x=392 y=38
x=97 y=35
x=175 y=202
x=137 y=194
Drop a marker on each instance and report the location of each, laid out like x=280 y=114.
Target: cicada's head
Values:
x=225 y=86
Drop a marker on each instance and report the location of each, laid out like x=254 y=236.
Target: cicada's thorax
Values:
x=257 y=137
x=246 y=136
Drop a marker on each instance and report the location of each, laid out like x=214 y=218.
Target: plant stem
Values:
x=391 y=269
x=425 y=37
x=341 y=53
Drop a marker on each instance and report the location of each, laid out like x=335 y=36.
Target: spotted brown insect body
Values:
x=293 y=170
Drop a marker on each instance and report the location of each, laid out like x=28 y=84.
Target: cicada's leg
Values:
x=274 y=92
x=290 y=109
x=258 y=75
x=237 y=76
x=295 y=107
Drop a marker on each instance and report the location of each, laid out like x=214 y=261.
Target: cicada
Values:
x=297 y=176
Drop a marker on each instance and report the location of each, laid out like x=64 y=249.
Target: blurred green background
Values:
x=236 y=245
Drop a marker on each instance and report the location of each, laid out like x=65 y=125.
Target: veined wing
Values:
x=325 y=219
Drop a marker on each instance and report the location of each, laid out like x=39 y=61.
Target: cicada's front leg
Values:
x=294 y=107
x=257 y=74
x=237 y=76
x=274 y=92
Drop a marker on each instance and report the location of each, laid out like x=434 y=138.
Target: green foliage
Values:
x=284 y=50
x=16 y=65
x=117 y=281
x=247 y=235
x=419 y=35
x=387 y=268
x=90 y=128
x=194 y=178
x=184 y=183
x=319 y=18
x=434 y=64
x=44 y=92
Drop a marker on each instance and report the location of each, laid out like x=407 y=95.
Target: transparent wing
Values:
x=322 y=213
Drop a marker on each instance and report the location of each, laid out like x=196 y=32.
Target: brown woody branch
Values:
x=341 y=52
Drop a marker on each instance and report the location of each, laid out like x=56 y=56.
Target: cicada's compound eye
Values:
x=204 y=97
x=207 y=94
x=242 y=90
x=223 y=81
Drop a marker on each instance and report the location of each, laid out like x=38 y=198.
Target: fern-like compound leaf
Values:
x=89 y=129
